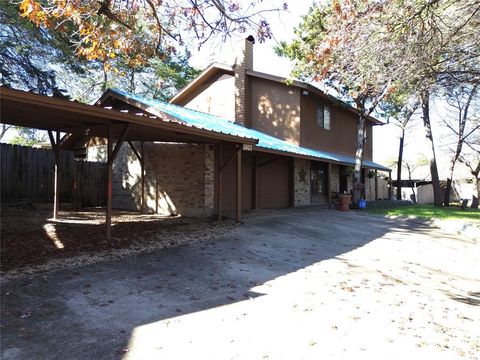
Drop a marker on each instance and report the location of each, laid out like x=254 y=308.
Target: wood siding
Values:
x=27 y=174
x=229 y=178
x=216 y=97
x=341 y=138
x=275 y=109
x=275 y=182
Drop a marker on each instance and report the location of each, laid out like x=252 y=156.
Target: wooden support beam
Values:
x=108 y=220
x=218 y=180
x=329 y=184
x=229 y=160
x=142 y=168
x=255 y=183
x=112 y=155
x=135 y=151
x=56 y=181
x=291 y=182
x=238 y=203
x=376 y=185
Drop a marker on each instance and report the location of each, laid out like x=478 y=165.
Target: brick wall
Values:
x=301 y=182
x=179 y=179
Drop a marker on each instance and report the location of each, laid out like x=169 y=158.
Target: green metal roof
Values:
x=220 y=125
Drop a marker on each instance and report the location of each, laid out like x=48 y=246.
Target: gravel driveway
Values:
x=291 y=284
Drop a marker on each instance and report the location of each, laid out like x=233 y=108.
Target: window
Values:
x=323 y=117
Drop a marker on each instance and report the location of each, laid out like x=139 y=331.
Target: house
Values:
x=304 y=153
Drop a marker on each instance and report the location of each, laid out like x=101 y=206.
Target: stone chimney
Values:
x=243 y=63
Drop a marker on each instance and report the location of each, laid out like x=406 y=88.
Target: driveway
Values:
x=290 y=284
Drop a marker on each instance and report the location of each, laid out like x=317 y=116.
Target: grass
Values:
x=428 y=212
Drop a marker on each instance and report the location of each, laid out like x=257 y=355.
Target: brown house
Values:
x=304 y=153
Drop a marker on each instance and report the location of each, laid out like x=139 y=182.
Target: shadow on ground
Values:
x=90 y=312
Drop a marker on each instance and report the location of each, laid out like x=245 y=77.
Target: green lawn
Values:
x=429 y=212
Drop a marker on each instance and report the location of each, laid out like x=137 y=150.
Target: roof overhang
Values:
x=28 y=109
x=263 y=142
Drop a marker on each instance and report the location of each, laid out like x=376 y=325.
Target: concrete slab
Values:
x=291 y=284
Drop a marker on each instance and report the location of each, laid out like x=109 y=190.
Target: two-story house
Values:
x=305 y=150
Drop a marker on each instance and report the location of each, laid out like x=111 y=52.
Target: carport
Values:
x=80 y=122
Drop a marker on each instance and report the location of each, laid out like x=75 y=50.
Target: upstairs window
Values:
x=323 y=117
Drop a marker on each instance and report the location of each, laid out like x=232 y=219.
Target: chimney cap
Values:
x=251 y=39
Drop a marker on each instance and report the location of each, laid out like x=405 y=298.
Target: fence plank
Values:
x=27 y=174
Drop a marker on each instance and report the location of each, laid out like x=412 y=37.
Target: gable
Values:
x=215 y=96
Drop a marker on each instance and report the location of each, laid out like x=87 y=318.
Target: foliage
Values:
x=428 y=212
x=372 y=51
x=113 y=31
x=30 y=58
x=28 y=137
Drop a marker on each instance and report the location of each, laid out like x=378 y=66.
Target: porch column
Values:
x=218 y=180
x=238 y=203
x=56 y=182
x=329 y=184
x=111 y=155
x=142 y=169
x=255 y=182
x=376 y=185
x=108 y=220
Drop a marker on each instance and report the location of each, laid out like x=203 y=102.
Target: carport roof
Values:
x=217 y=124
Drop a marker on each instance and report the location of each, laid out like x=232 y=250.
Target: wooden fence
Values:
x=27 y=174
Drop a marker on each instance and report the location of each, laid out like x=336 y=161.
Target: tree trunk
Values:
x=475 y=173
x=437 y=192
x=399 y=166
x=357 y=174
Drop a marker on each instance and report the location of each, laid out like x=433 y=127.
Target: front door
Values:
x=318 y=181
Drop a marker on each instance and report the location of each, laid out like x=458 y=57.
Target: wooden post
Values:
x=376 y=185
x=291 y=181
x=111 y=155
x=218 y=197
x=390 y=185
x=238 y=212
x=56 y=182
x=108 y=220
x=329 y=185
x=142 y=169
x=255 y=183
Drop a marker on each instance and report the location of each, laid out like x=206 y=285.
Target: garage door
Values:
x=274 y=183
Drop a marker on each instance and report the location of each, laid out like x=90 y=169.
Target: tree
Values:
x=107 y=30
x=463 y=125
x=374 y=49
x=43 y=60
x=4 y=130
x=325 y=49
x=28 y=137
x=399 y=109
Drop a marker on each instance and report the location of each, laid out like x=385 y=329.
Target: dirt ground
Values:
x=293 y=284
x=31 y=239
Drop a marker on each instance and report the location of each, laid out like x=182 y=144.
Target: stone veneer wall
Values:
x=301 y=182
x=335 y=183
x=179 y=179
